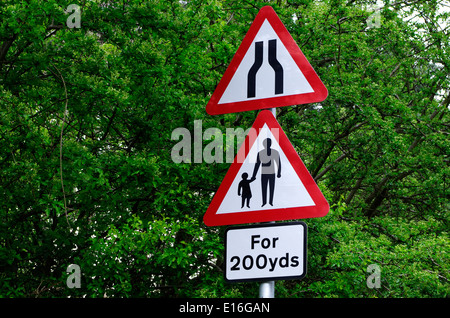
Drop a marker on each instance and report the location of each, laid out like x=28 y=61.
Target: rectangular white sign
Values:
x=266 y=252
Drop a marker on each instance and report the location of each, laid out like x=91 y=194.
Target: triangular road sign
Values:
x=268 y=70
x=267 y=181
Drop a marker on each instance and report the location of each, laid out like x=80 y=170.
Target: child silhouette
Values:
x=244 y=184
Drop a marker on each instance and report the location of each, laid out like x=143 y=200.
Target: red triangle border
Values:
x=320 y=92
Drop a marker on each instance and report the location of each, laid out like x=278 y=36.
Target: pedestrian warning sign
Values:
x=267 y=181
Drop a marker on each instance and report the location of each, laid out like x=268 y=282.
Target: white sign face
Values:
x=266 y=252
x=293 y=81
x=287 y=191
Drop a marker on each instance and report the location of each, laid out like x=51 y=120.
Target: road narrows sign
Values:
x=266 y=252
x=267 y=181
x=268 y=70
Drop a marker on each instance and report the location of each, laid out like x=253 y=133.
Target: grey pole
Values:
x=274 y=112
x=267 y=289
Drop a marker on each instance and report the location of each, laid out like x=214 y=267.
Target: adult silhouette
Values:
x=267 y=158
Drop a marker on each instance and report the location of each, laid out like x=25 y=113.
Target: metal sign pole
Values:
x=267 y=289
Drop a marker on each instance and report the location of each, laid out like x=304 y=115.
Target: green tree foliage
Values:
x=86 y=116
